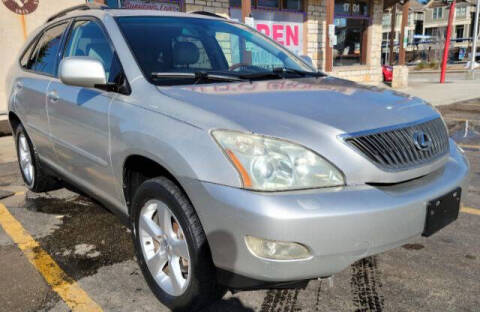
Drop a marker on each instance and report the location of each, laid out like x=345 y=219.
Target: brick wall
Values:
x=375 y=35
x=316 y=31
x=219 y=7
x=359 y=74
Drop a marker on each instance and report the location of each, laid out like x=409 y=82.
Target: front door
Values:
x=79 y=116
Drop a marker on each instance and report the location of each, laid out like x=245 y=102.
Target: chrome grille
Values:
x=395 y=148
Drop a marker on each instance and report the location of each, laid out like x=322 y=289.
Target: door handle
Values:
x=53 y=96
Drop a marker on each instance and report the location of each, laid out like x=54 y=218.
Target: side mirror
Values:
x=82 y=71
x=307 y=59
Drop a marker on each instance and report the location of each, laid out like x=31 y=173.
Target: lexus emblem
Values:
x=421 y=140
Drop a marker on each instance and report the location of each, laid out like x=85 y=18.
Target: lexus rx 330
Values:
x=236 y=163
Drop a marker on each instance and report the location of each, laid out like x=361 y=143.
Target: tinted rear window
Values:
x=26 y=58
x=44 y=57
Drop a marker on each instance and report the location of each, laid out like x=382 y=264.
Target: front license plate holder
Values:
x=442 y=211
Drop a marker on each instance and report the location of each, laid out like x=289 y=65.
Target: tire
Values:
x=198 y=287
x=34 y=178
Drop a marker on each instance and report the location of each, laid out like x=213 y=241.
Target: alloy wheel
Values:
x=26 y=163
x=164 y=247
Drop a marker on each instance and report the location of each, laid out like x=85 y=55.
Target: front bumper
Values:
x=339 y=225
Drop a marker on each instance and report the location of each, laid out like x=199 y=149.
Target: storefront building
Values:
x=342 y=37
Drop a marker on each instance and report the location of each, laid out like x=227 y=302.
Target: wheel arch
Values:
x=138 y=168
x=14 y=121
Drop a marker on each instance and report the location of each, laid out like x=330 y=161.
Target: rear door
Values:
x=39 y=64
x=79 y=116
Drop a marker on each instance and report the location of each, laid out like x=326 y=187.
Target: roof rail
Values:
x=207 y=14
x=81 y=7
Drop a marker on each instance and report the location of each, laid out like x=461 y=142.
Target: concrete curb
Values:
x=436 y=72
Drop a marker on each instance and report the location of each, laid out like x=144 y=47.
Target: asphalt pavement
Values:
x=56 y=244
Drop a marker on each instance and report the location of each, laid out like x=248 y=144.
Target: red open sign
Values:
x=288 y=34
x=284 y=27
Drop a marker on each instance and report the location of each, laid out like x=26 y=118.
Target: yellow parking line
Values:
x=469 y=146
x=75 y=297
x=471 y=210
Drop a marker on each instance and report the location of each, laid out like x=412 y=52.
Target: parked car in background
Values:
x=387 y=72
x=235 y=163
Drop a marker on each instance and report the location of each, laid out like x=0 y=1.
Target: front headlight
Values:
x=268 y=164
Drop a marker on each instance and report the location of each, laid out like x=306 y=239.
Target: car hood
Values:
x=313 y=112
x=263 y=106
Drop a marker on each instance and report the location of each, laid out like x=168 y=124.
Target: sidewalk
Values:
x=443 y=94
x=4 y=126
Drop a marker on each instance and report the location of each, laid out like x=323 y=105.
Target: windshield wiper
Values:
x=197 y=76
x=262 y=75
x=283 y=70
x=280 y=72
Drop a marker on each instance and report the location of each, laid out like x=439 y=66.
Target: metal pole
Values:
x=447 y=41
x=393 y=22
x=403 y=33
x=475 y=37
x=330 y=4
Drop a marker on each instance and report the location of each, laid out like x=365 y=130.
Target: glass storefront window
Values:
x=351 y=23
x=292 y=5
x=236 y=3
x=351 y=8
x=360 y=8
x=112 y=3
x=342 y=7
x=268 y=3
x=350 y=33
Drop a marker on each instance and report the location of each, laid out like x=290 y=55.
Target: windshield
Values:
x=172 y=50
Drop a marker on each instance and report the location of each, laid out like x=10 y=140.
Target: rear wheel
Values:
x=171 y=247
x=33 y=175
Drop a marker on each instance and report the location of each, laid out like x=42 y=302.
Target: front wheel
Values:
x=171 y=247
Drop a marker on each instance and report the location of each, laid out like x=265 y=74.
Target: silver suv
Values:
x=236 y=164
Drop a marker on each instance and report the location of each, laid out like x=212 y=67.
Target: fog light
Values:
x=276 y=250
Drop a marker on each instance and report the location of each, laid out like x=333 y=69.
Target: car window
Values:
x=44 y=57
x=229 y=43
x=253 y=54
x=261 y=57
x=172 y=45
x=88 y=39
x=27 y=54
x=202 y=62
